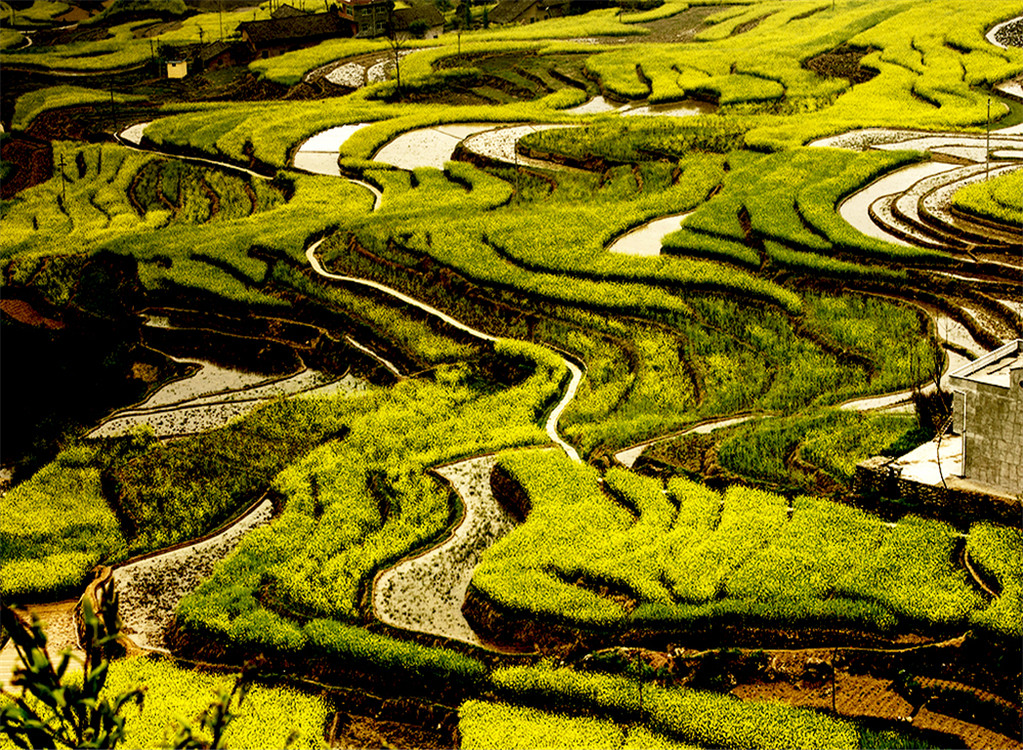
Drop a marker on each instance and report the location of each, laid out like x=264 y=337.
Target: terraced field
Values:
x=561 y=347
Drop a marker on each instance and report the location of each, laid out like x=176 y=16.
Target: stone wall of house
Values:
x=994 y=434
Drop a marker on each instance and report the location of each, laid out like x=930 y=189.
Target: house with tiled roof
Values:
x=527 y=11
x=421 y=16
x=287 y=11
x=365 y=18
x=278 y=35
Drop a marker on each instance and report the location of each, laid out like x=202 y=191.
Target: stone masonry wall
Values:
x=994 y=437
x=875 y=477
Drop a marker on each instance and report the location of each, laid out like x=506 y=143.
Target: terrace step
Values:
x=882 y=213
x=906 y=207
x=935 y=208
x=922 y=214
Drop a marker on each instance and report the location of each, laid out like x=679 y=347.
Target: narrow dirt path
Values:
x=628 y=456
x=58 y=619
x=574 y=370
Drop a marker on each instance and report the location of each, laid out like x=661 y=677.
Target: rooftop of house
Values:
x=508 y=11
x=994 y=368
x=287 y=11
x=291 y=27
x=208 y=51
x=427 y=13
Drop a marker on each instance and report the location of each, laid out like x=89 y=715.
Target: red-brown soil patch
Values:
x=855 y=695
x=842 y=62
x=33 y=164
x=23 y=312
x=973 y=736
x=681 y=27
x=863 y=696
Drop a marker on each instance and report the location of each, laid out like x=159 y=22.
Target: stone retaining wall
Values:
x=876 y=477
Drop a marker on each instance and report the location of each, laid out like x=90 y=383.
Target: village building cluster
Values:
x=290 y=28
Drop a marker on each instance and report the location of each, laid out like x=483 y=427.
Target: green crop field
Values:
x=620 y=331
x=690 y=555
x=999 y=200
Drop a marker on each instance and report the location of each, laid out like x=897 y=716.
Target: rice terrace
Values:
x=533 y=374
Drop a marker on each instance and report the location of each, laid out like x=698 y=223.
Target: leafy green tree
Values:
x=53 y=710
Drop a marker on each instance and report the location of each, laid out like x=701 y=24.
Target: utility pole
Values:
x=987 y=147
x=518 y=195
x=63 y=192
x=220 y=14
x=834 y=659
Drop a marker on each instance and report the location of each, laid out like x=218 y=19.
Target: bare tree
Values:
x=395 y=43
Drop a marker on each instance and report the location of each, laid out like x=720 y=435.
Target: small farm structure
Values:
x=216 y=56
x=988 y=412
x=177 y=68
x=365 y=18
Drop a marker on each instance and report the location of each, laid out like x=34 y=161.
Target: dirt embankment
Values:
x=842 y=62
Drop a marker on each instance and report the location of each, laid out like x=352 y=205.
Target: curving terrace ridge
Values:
x=391 y=590
x=153 y=586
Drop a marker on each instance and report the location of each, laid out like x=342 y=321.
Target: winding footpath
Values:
x=574 y=370
x=628 y=456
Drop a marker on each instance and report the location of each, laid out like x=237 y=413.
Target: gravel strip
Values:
x=210 y=412
x=209 y=379
x=499 y=145
x=1007 y=34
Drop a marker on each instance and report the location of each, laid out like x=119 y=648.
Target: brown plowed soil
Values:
x=681 y=27
x=842 y=62
x=33 y=164
x=862 y=695
x=358 y=732
x=23 y=312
